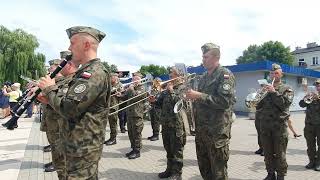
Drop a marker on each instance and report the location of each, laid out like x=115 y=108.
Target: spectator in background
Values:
x=4 y=104
x=13 y=95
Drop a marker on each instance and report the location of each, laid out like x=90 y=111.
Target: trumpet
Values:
x=310 y=97
x=29 y=99
x=262 y=93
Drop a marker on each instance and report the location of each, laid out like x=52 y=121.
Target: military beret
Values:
x=137 y=74
x=55 y=62
x=64 y=54
x=316 y=82
x=114 y=74
x=209 y=46
x=275 y=67
x=98 y=35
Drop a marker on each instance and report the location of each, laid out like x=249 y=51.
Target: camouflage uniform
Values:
x=135 y=117
x=85 y=108
x=155 y=119
x=51 y=120
x=213 y=119
x=274 y=110
x=173 y=131
x=312 y=130
x=257 y=125
x=113 y=119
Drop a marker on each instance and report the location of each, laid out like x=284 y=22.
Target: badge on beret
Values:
x=80 y=88
x=226 y=87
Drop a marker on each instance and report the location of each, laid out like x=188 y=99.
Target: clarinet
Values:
x=12 y=123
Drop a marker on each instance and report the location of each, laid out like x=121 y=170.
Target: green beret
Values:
x=316 y=82
x=55 y=62
x=64 y=54
x=209 y=46
x=98 y=35
x=275 y=67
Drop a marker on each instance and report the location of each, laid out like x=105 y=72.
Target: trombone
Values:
x=155 y=89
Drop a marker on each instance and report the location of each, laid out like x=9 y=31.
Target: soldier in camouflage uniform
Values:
x=135 y=116
x=274 y=111
x=213 y=103
x=113 y=119
x=85 y=106
x=48 y=123
x=155 y=120
x=312 y=129
x=173 y=131
x=58 y=134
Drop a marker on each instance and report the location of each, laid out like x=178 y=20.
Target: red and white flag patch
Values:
x=86 y=75
x=226 y=76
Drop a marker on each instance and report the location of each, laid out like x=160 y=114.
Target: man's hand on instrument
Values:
x=152 y=99
x=42 y=98
x=170 y=87
x=46 y=82
x=192 y=94
x=270 y=88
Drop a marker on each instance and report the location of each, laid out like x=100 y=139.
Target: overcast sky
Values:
x=165 y=32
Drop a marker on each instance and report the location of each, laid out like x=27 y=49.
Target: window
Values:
x=315 y=61
x=301 y=62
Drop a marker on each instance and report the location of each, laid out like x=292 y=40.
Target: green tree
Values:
x=111 y=68
x=154 y=70
x=272 y=50
x=18 y=56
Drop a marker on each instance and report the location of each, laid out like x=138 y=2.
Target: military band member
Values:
x=173 y=130
x=114 y=100
x=312 y=128
x=135 y=115
x=155 y=120
x=59 y=123
x=274 y=110
x=85 y=106
x=213 y=103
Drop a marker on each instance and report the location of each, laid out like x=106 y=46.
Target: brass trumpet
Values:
x=310 y=97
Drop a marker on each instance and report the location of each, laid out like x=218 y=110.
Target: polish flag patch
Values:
x=86 y=75
x=226 y=76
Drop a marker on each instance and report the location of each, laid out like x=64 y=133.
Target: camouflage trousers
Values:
x=212 y=161
x=57 y=153
x=135 y=126
x=312 y=135
x=274 y=142
x=155 y=122
x=173 y=142
x=257 y=125
x=113 y=123
x=83 y=166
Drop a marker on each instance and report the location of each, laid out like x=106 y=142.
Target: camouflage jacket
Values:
x=166 y=102
x=85 y=106
x=51 y=117
x=213 y=111
x=275 y=105
x=312 y=112
x=136 y=110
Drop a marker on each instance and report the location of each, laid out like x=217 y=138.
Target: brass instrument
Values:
x=310 y=97
x=29 y=80
x=183 y=90
x=254 y=98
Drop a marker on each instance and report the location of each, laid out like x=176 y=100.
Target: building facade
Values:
x=308 y=57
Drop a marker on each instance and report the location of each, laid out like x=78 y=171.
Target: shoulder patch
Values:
x=80 y=88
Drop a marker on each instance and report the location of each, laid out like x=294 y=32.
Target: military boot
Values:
x=111 y=141
x=47 y=148
x=167 y=173
x=129 y=153
x=270 y=176
x=154 y=138
x=317 y=167
x=48 y=164
x=311 y=165
x=259 y=151
x=175 y=177
x=49 y=168
x=135 y=154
